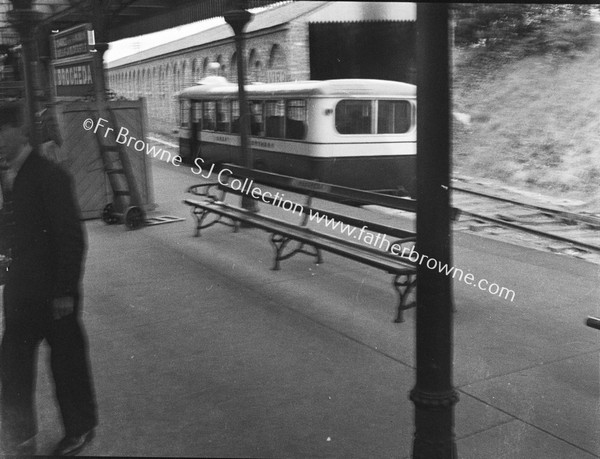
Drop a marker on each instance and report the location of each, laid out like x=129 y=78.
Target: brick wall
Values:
x=281 y=53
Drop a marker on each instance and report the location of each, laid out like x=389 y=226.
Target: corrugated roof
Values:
x=126 y=18
x=283 y=13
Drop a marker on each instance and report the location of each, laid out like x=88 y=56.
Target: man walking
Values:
x=42 y=294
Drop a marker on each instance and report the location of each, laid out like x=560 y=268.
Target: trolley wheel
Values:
x=134 y=217
x=108 y=215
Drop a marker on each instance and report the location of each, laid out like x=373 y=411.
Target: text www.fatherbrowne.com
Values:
x=362 y=235
x=380 y=241
x=367 y=237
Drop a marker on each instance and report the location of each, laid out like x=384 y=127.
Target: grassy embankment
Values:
x=535 y=121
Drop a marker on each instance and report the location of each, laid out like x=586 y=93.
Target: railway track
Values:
x=555 y=229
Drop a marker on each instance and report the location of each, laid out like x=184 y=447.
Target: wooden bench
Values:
x=310 y=240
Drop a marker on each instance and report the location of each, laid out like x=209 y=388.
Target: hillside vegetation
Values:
x=534 y=116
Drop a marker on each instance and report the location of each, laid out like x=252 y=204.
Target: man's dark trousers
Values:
x=27 y=323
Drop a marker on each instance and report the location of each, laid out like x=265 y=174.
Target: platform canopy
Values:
x=124 y=18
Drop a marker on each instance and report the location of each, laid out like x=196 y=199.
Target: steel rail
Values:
x=563 y=214
x=532 y=231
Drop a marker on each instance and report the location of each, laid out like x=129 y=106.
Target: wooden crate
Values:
x=80 y=155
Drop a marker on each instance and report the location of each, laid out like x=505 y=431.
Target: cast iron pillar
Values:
x=434 y=396
x=25 y=20
x=99 y=19
x=238 y=18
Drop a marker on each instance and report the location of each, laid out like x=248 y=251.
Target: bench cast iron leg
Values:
x=404 y=285
x=319 y=256
x=279 y=242
x=200 y=215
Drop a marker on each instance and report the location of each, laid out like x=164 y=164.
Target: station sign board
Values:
x=72 y=42
x=74 y=78
x=72 y=61
x=276 y=76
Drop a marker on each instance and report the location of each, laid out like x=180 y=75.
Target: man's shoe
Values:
x=71 y=445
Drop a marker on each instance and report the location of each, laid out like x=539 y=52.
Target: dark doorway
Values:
x=382 y=50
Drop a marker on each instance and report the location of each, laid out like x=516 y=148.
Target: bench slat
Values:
x=359 y=223
x=323 y=190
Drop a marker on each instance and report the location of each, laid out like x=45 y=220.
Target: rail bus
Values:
x=358 y=133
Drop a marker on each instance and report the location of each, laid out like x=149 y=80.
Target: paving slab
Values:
x=560 y=398
x=517 y=440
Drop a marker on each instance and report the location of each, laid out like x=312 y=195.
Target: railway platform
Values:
x=198 y=349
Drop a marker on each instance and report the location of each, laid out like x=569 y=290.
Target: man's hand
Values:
x=63 y=306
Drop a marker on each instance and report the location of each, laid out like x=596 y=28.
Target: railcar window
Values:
x=274 y=118
x=295 y=119
x=393 y=117
x=209 y=115
x=256 y=118
x=196 y=112
x=235 y=116
x=222 y=116
x=184 y=113
x=255 y=111
x=353 y=117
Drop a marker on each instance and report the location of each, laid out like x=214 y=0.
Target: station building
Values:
x=287 y=41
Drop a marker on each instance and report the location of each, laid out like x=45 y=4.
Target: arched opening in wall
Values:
x=142 y=89
x=233 y=68
x=175 y=84
x=168 y=79
x=276 y=67
x=153 y=83
x=161 y=82
x=179 y=80
x=185 y=78
x=194 y=70
x=258 y=72
x=180 y=77
x=204 y=67
x=221 y=70
x=254 y=66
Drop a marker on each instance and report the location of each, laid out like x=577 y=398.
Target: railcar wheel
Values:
x=108 y=215
x=134 y=217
